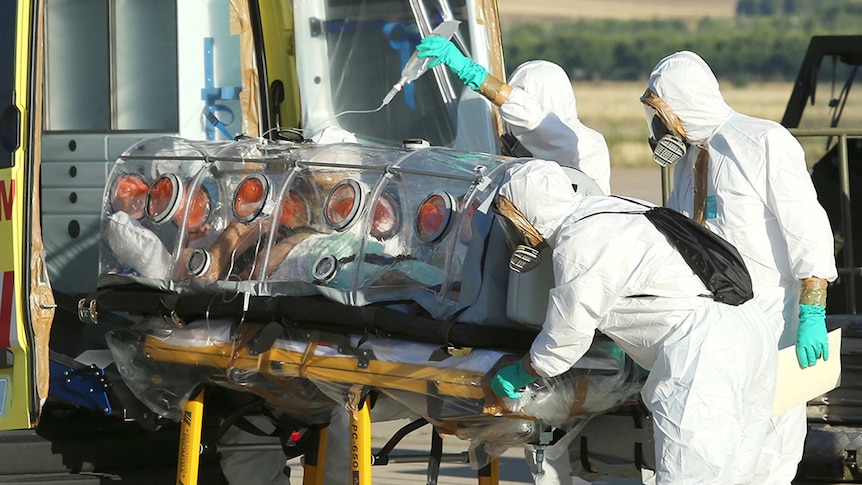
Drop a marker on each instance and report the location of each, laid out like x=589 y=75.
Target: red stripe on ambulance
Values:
x=6 y=304
x=7 y=195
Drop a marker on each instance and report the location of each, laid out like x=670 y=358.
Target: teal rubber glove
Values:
x=509 y=379
x=811 y=340
x=444 y=52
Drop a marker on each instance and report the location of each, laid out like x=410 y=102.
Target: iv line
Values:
x=360 y=111
x=303 y=131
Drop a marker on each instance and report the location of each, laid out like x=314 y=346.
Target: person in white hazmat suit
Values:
x=538 y=106
x=711 y=380
x=746 y=179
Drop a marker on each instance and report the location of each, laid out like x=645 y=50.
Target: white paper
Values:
x=795 y=385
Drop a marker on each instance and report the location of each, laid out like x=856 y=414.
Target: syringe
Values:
x=415 y=66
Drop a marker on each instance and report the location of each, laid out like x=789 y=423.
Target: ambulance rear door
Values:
x=26 y=302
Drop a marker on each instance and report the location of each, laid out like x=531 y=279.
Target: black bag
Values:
x=715 y=261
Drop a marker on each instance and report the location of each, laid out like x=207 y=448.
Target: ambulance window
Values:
x=7 y=46
x=8 y=16
x=111 y=65
x=368 y=44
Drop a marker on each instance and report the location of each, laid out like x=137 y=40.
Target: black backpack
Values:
x=715 y=261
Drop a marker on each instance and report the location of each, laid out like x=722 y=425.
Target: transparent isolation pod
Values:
x=359 y=224
x=149 y=202
x=406 y=230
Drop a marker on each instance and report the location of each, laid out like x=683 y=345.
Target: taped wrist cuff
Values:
x=813 y=291
x=495 y=90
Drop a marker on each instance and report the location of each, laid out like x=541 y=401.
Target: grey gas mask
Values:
x=524 y=259
x=668 y=146
x=522 y=239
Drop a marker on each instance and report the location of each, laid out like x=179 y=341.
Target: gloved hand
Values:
x=811 y=340
x=509 y=379
x=445 y=52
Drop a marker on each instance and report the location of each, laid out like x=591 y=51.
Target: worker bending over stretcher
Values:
x=712 y=368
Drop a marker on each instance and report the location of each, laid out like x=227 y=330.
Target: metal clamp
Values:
x=546 y=436
x=87 y=312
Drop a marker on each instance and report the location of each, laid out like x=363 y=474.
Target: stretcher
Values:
x=317 y=277
x=306 y=373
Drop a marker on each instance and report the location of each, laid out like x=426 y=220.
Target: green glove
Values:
x=445 y=52
x=509 y=379
x=811 y=340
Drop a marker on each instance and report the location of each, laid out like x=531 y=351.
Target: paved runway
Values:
x=513 y=466
x=642 y=183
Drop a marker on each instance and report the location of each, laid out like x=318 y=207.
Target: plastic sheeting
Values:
x=268 y=218
x=305 y=374
x=408 y=230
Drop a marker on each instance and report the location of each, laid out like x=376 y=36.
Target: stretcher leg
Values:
x=435 y=457
x=490 y=473
x=360 y=444
x=190 y=441
x=314 y=462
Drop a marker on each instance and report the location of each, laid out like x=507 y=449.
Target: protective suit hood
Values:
x=542 y=192
x=542 y=114
x=548 y=84
x=688 y=85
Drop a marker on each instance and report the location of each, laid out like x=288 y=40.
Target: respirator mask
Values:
x=522 y=239
x=668 y=146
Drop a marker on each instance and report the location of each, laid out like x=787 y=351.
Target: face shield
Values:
x=668 y=145
x=522 y=239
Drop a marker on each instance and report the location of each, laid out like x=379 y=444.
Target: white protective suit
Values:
x=712 y=373
x=542 y=114
x=761 y=199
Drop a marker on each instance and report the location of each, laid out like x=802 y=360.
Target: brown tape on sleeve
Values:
x=495 y=90
x=813 y=291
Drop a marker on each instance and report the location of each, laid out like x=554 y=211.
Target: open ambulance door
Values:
x=26 y=301
x=330 y=64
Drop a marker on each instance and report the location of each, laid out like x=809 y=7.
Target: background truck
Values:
x=827 y=118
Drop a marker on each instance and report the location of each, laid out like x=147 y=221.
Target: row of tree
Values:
x=791 y=7
x=740 y=49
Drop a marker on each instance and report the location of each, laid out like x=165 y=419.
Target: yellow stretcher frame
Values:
x=360 y=446
x=278 y=362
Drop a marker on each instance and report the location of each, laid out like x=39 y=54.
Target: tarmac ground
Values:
x=513 y=465
x=638 y=182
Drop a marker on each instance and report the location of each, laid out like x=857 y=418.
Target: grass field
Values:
x=614 y=110
x=519 y=10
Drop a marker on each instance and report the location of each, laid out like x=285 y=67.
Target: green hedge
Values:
x=750 y=47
